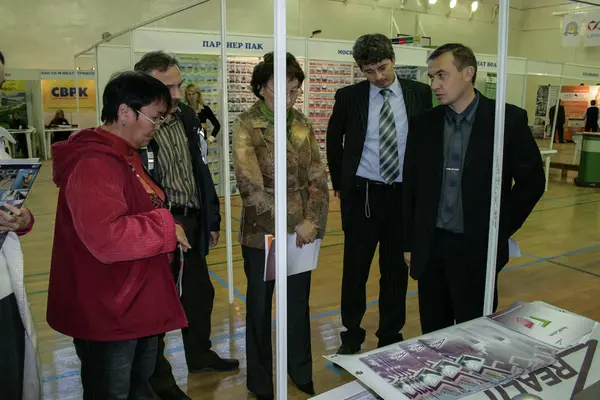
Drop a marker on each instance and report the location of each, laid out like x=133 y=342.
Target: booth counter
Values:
x=589 y=164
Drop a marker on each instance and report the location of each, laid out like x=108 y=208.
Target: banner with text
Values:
x=12 y=99
x=592 y=30
x=62 y=94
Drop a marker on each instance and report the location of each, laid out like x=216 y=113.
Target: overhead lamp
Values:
x=432 y=2
x=474 y=6
x=453 y=3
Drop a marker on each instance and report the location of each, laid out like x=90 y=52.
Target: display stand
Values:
x=589 y=165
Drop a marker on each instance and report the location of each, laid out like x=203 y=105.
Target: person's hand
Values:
x=182 y=238
x=214 y=239
x=307 y=231
x=407 y=257
x=211 y=139
x=18 y=221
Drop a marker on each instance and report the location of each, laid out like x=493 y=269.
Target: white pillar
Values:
x=498 y=154
x=281 y=196
x=225 y=151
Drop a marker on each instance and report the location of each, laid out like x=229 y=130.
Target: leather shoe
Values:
x=308 y=388
x=173 y=393
x=347 y=349
x=215 y=363
x=383 y=343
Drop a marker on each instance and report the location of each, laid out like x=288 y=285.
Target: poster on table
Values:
x=576 y=100
x=477 y=359
x=12 y=99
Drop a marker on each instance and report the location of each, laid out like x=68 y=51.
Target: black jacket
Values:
x=423 y=167
x=347 y=127
x=210 y=217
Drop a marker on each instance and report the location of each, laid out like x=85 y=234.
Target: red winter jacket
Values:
x=110 y=277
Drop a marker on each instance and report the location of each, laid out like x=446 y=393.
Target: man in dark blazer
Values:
x=366 y=137
x=447 y=190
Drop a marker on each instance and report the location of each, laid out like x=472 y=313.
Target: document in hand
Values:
x=16 y=179
x=298 y=259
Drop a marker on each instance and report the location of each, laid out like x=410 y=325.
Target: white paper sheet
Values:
x=299 y=260
x=513 y=248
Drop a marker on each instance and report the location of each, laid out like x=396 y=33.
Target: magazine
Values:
x=16 y=179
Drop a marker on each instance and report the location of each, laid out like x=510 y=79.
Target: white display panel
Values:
x=110 y=59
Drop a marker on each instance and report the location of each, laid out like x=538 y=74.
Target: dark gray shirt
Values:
x=457 y=132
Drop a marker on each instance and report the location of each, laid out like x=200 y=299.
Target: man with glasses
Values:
x=176 y=159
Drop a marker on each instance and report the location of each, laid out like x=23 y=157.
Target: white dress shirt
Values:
x=369 y=162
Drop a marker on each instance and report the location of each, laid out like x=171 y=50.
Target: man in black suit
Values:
x=366 y=137
x=447 y=190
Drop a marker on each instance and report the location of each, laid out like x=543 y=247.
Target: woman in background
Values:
x=59 y=119
x=307 y=201
x=111 y=286
x=193 y=98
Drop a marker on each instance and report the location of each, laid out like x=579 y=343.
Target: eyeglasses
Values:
x=157 y=123
x=291 y=94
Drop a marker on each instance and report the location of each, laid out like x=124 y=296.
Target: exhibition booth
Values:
x=34 y=98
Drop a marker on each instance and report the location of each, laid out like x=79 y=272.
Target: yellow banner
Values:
x=13 y=87
x=62 y=94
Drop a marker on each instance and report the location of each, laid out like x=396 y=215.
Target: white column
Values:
x=498 y=154
x=281 y=197
x=225 y=151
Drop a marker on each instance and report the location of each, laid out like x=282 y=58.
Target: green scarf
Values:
x=270 y=116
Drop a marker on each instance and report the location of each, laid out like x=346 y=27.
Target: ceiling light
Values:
x=452 y=3
x=432 y=1
x=474 y=6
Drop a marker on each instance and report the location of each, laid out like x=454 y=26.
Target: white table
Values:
x=28 y=132
x=48 y=133
x=547 y=155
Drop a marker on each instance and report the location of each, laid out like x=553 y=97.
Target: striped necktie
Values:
x=389 y=162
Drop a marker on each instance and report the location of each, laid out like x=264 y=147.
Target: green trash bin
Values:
x=589 y=163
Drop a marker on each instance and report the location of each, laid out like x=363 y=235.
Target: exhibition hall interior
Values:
x=400 y=285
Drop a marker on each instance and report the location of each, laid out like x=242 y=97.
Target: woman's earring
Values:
x=123 y=122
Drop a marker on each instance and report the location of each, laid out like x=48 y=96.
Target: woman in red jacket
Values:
x=111 y=286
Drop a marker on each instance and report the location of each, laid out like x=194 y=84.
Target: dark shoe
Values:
x=173 y=393
x=215 y=363
x=308 y=388
x=347 y=349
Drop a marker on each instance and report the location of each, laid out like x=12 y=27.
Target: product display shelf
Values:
x=325 y=78
x=203 y=71
x=240 y=98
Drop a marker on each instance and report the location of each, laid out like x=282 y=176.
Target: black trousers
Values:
x=560 y=130
x=371 y=215
x=12 y=350
x=117 y=370
x=591 y=127
x=451 y=288
x=259 y=302
x=197 y=300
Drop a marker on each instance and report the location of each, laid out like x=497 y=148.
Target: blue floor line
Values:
x=330 y=313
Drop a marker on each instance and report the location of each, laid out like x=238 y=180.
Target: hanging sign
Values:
x=62 y=94
x=571 y=36
x=592 y=30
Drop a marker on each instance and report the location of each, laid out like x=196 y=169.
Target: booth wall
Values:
x=57 y=31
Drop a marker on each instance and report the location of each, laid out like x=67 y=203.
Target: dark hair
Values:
x=135 y=90
x=1 y=58
x=372 y=48
x=265 y=70
x=155 y=61
x=593 y=102
x=463 y=56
